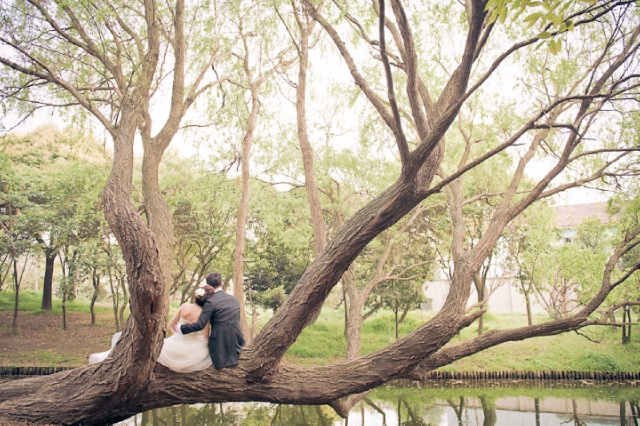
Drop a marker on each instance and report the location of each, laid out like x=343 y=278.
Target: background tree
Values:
x=280 y=247
x=528 y=243
x=418 y=118
x=59 y=169
x=400 y=297
x=251 y=82
x=12 y=241
x=203 y=207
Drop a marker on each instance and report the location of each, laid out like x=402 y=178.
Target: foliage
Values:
x=279 y=247
x=203 y=211
x=400 y=297
x=271 y=298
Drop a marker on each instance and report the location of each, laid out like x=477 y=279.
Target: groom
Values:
x=223 y=310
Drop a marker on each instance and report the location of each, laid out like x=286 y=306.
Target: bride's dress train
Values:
x=180 y=352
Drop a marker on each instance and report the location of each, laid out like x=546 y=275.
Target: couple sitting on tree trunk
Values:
x=215 y=312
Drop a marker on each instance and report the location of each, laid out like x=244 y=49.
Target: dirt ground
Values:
x=41 y=340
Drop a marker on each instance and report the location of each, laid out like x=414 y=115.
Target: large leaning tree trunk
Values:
x=129 y=381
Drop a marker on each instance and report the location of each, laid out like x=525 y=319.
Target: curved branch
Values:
x=401 y=140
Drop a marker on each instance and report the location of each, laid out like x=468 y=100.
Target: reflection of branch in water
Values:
x=574 y=417
x=635 y=410
x=489 y=411
x=304 y=418
x=457 y=409
x=323 y=419
x=275 y=416
x=415 y=419
x=343 y=405
x=376 y=408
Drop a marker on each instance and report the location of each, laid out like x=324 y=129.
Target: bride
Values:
x=180 y=352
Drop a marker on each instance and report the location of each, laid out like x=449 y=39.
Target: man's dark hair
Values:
x=214 y=280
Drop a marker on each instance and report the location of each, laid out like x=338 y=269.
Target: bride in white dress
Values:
x=180 y=352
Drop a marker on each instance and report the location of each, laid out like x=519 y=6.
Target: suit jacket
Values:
x=226 y=340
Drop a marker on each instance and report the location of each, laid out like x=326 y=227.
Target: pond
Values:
x=433 y=403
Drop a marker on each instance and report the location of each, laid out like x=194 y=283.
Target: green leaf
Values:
x=544 y=35
x=533 y=18
x=503 y=15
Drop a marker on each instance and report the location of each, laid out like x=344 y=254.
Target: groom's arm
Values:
x=205 y=315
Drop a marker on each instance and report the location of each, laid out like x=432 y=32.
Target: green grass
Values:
x=323 y=342
x=43 y=358
x=30 y=301
x=320 y=343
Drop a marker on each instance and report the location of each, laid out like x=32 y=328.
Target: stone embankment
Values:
x=434 y=375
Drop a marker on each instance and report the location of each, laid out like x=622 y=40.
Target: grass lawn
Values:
x=41 y=340
x=324 y=342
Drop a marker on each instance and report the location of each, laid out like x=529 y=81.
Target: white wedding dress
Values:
x=181 y=352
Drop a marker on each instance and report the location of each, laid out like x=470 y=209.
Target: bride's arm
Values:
x=207 y=330
x=174 y=320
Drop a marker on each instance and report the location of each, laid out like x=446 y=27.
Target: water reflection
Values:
x=441 y=404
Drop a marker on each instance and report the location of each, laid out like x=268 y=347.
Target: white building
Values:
x=506 y=299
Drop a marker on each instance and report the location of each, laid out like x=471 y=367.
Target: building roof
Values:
x=568 y=217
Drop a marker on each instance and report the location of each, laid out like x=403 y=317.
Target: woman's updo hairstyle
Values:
x=199 y=296
x=202 y=294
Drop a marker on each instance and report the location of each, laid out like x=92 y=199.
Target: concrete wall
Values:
x=504 y=300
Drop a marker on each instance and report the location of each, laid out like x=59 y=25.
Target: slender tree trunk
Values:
x=311 y=187
x=317 y=217
x=16 y=286
x=405 y=311
x=63 y=288
x=64 y=311
x=96 y=288
x=241 y=224
x=47 y=284
x=395 y=313
x=354 y=304
x=480 y=284
x=114 y=298
x=527 y=298
x=345 y=304
x=354 y=328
